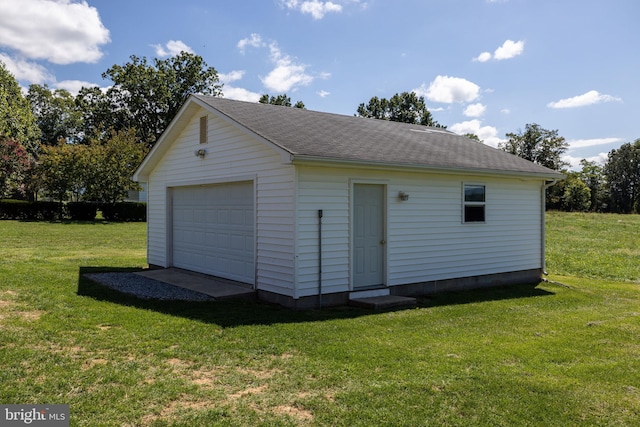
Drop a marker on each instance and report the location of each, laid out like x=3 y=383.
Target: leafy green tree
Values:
x=577 y=195
x=111 y=165
x=15 y=163
x=283 y=100
x=150 y=94
x=16 y=119
x=99 y=114
x=62 y=169
x=473 y=137
x=539 y=145
x=622 y=172
x=55 y=113
x=592 y=174
x=405 y=107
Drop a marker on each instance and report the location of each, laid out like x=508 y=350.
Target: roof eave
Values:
x=298 y=159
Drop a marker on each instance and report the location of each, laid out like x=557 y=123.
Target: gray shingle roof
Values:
x=316 y=135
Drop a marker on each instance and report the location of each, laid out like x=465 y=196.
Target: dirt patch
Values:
x=206 y=377
x=298 y=414
x=93 y=362
x=29 y=316
x=169 y=412
x=249 y=391
x=260 y=374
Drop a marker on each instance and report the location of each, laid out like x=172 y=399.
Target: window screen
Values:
x=474 y=203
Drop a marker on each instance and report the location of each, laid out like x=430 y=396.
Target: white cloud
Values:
x=287 y=74
x=449 y=90
x=509 y=49
x=74 y=86
x=172 y=48
x=231 y=76
x=323 y=93
x=26 y=71
x=475 y=110
x=316 y=8
x=487 y=134
x=236 y=93
x=505 y=111
x=254 y=40
x=589 y=98
x=574 y=162
x=60 y=31
x=483 y=57
x=584 y=143
x=240 y=94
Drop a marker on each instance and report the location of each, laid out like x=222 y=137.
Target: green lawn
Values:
x=554 y=355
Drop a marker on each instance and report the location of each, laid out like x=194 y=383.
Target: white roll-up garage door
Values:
x=213 y=230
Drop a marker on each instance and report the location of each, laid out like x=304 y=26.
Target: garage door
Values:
x=213 y=230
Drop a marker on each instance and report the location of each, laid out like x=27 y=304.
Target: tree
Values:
x=577 y=195
x=55 y=113
x=541 y=146
x=99 y=114
x=473 y=137
x=406 y=107
x=62 y=170
x=148 y=96
x=16 y=119
x=622 y=172
x=111 y=164
x=14 y=164
x=283 y=100
x=592 y=175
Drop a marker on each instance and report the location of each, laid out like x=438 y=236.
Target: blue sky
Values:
x=484 y=66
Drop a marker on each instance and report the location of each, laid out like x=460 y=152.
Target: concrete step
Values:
x=369 y=293
x=385 y=302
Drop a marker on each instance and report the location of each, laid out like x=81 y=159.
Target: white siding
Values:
x=426 y=239
x=232 y=155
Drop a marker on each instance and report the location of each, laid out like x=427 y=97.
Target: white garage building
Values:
x=299 y=203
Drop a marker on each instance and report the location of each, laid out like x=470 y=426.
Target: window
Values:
x=203 y=130
x=473 y=203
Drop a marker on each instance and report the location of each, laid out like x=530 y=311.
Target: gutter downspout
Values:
x=543 y=230
x=320 y=258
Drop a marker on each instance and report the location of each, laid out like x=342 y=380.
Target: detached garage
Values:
x=300 y=204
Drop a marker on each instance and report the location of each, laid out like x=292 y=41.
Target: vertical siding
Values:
x=426 y=239
x=231 y=154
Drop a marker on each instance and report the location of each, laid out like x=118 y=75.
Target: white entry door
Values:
x=213 y=230
x=368 y=236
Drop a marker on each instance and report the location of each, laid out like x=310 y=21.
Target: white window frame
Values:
x=473 y=203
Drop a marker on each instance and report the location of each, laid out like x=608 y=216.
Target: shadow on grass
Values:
x=233 y=313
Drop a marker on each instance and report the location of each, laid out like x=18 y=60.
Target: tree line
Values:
x=87 y=146
x=612 y=187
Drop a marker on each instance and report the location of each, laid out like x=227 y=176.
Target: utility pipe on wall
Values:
x=319 y=258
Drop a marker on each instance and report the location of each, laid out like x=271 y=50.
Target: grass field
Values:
x=564 y=353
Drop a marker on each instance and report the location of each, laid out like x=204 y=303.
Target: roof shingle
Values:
x=325 y=136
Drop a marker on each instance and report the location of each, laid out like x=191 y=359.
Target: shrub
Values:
x=23 y=210
x=47 y=211
x=125 y=211
x=12 y=209
x=82 y=211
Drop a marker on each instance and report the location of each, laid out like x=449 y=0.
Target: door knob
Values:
x=382 y=242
